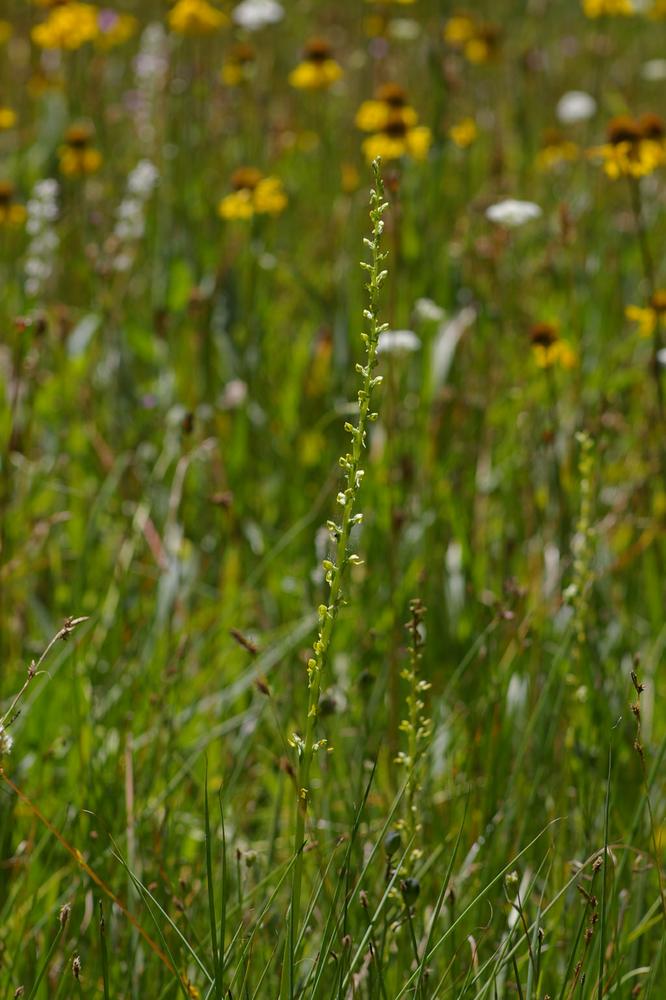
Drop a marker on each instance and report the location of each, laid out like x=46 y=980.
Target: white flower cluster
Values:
x=513 y=213
x=150 y=71
x=397 y=342
x=42 y=211
x=427 y=311
x=131 y=215
x=575 y=106
x=6 y=742
x=654 y=70
x=256 y=14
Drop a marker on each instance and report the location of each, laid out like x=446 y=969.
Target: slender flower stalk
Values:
x=578 y=591
x=336 y=568
x=638 y=747
x=68 y=627
x=648 y=273
x=42 y=251
x=417 y=728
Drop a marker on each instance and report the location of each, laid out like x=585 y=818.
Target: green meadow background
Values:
x=169 y=442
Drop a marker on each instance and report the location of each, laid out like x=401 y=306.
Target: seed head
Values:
x=410 y=888
x=392 y=843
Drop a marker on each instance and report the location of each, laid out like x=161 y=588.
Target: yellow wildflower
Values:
x=464 y=133
x=483 y=46
x=11 y=213
x=390 y=103
x=7 y=117
x=555 y=151
x=5 y=31
x=635 y=147
x=307 y=140
x=318 y=69
x=77 y=156
x=196 y=17
x=651 y=316
x=253 y=194
x=312 y=444
x=349 y=178
x=40 y=83
x=375 y=25
x=398 y=139
x=394 y=124
x=269 y=197
x=320 y=365
x=549 y=349
x=611 y=8
x=477 y=40
x=459 y=29
x=114 y=28
x=67 y=27
x=239 y=66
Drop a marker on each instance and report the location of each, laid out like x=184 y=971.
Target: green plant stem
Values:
x=648 y=272
x=335 y=571
x=49 y=956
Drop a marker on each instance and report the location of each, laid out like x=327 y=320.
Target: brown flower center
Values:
x=392 y=94
x=552 y=137
x=396 y=127
x=318 y=50
x=242 y=54
x=652 y=126
x=489 y=34
x=658 y=301
x=245 y=178
x=78 y=137
x=623 y=129
x=543 y=334
x=6 y=193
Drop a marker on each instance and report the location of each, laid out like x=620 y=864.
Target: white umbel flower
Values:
x=130 y=216
x=42 y=209
x=256 y=14
x=6 y=742
x=513 y=213
x=654 y=70
x=404 y=29
x=398 y=342
x=142 y=179
x=575 y=106
x=151 y=67
x=427 y=311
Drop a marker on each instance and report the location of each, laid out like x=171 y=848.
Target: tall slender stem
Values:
x=646 y=255
x=648 y=272
x=336 y=569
